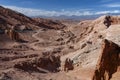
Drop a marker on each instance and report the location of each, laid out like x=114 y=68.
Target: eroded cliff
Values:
x=109 y=61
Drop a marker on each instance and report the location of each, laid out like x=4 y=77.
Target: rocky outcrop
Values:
x=111 y=20
x=68 y=64
x=50 y=63
x=105 y=22
x=108 y=62
x=12 y=34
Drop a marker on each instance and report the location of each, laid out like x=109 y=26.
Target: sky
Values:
x=62 y=7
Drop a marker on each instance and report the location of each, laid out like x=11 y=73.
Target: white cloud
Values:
x=40 y=12
x=112 y=5
x=107 y=12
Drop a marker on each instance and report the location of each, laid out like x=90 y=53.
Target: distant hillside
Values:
x=16 y=20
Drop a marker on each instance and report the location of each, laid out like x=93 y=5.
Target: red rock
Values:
x=109 y=61
x=50 y=63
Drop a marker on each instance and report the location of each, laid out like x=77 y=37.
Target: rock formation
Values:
x=50 y=63
x=12 y=34
x=68 y=64
x=107 y=21
x=109 y=61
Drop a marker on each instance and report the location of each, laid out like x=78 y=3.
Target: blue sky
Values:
x=62 y=7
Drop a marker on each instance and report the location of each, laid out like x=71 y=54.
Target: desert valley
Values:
x=46 y=49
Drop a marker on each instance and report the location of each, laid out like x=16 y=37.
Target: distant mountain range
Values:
x=73 y=17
